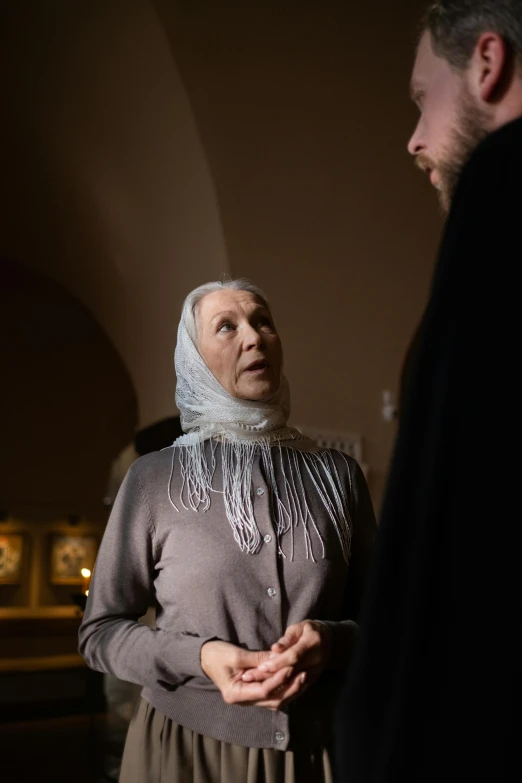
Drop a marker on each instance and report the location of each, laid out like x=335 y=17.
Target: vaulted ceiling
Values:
x=148 y=147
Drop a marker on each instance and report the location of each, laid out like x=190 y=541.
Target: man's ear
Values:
x=488 y=65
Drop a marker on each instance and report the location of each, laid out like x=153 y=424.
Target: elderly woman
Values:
x=253 y=545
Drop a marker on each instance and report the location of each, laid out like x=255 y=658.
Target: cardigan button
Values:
x=280 y=737
x=271 y=592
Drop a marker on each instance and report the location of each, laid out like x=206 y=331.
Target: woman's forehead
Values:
x=227 y=300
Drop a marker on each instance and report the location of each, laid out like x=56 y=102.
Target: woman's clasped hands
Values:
x=269 y=678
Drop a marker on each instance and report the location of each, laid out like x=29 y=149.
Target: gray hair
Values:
x=189 y=312
x=456 y=25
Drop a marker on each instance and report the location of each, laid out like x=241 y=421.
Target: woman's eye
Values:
x=266 y=322
x=226 y=327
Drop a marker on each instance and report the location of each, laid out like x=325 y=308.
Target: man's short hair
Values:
x=456 y=25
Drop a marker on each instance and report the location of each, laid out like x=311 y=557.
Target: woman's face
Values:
x=239 y=344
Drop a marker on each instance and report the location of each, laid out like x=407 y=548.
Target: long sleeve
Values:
x=364 y=530
x=432 y=690
x=110 y=638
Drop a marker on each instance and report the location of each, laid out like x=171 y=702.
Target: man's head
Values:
x=466 y=82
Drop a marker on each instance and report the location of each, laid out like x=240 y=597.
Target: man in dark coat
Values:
x=432 y=693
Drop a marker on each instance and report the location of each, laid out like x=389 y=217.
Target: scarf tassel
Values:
x=288 y=497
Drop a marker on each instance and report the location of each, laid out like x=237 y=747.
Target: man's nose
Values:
x=416 y=144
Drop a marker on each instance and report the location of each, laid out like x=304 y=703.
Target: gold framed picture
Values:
x=11 y=558
x=69 y=554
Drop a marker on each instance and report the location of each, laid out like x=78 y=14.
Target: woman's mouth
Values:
x=257 y=367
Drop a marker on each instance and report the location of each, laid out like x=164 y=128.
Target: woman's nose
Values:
x=253 y=339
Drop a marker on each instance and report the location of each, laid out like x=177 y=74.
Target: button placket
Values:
x=270 y=557
x=260 y=491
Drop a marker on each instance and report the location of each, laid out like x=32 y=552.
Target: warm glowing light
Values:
x=86 y=576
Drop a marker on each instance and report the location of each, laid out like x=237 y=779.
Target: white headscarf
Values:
x=209 y=412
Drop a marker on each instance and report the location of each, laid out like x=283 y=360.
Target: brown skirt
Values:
x=157 y=750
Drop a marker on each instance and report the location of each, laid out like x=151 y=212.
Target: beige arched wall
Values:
x=104 y=179
x=68 y=404
x=304 y=112
x=154 y=145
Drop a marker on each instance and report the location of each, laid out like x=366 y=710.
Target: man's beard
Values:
x=470 y=129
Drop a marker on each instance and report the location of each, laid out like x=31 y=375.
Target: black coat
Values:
x=432 y=691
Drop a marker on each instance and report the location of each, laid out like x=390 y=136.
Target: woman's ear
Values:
x=488 y=66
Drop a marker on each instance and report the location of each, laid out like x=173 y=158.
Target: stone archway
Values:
x=68 y=403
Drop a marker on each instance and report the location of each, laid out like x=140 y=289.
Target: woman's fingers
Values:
x=276 y=683
x=225 y=664
x=239 y=692
x=221 y=659
x=290 y=637
x=292 y=657
x=249 y=659
x=288 y=659
x=255 y=675
x=285 y=694
x=308 y=649
x=282 y=644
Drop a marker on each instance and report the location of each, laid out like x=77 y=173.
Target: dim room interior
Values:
x=149 y=147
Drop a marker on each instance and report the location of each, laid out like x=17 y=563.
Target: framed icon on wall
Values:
x=11 y=558
x=69 y=555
